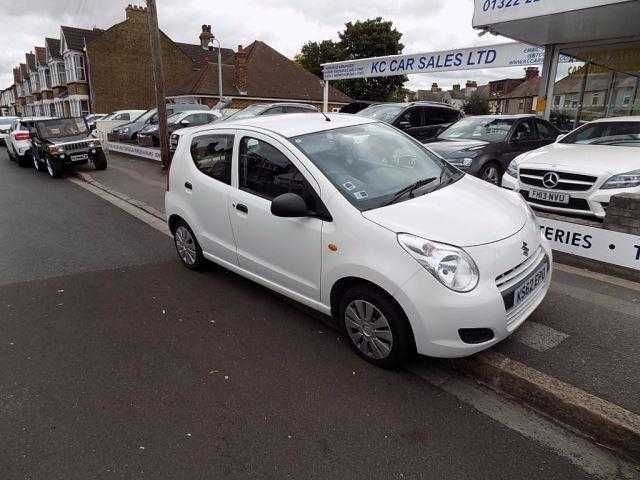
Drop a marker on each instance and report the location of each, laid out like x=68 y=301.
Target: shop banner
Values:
x=492 y=56
x=134 y=150
x=595 y=243
x=489 y=12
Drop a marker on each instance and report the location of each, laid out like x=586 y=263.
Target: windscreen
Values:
x=479 y=128
x=384 y=113
x=249 y=112
x=619 y=134
x=61 y=127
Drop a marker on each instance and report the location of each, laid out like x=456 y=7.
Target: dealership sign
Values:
x=134 y=150
x=488 y=12
x=595 y=243
x=493 y=56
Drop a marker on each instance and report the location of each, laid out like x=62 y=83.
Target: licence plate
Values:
x=548 y=196
x=75 y=158
x=530 y=285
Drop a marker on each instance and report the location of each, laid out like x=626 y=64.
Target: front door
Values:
x=283 y=251
x=523 y=138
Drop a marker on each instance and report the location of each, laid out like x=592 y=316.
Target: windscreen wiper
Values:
x=411 y=188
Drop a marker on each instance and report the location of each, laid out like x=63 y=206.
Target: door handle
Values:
x=188 y=185
x=242 y=208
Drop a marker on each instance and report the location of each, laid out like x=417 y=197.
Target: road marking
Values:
x=538 y=336
x=620 y=282
x=598 y=299
x=138 y=213
x=581 y=452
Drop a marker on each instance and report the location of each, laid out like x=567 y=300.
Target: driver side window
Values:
x=412 y=118
x=265 y=171
x=524 y=132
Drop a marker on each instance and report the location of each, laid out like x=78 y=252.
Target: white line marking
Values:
x=539 y=337
x=620 y=282
x=579 y=451
x=127 y=207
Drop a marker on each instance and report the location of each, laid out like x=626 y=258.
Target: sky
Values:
x=426 y=25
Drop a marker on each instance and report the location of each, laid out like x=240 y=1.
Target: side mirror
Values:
x=561 y=136
x=185 y=123
x=289 y=205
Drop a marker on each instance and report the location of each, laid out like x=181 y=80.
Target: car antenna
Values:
x=325 y=116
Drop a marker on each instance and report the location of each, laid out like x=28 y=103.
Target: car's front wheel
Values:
x=53 y=169
x=490 y=172
x=187 y=246
x=36 y=163
x=377 y=328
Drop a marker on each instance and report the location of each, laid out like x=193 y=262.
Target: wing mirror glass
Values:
x=289 y=205
x=185 y=123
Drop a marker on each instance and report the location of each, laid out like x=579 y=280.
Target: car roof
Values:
x=292 y=124
x=507 y=117
x=418 y=103
x=288 y=104
x=634 y=118
x=190 y=112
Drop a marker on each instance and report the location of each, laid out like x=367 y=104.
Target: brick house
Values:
x=106 y=70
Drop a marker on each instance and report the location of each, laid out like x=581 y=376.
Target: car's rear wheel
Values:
x=490 y=172
x=377 y=328
x=187 y=246
x=53 y=169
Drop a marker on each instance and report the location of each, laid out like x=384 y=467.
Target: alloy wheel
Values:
x=368 y=329
x=491 y=175
x=35 y=162
x=50 y=168
x=185 y=245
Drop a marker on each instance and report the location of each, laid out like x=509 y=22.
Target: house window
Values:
x=47 y=78
x=595 y=100
x=62 y=74
x=626 y=100
x=52 y=110
x=556 y=100
x=78 y=61
x=84 y=108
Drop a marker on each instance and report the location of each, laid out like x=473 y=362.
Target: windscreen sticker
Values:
x=360 y=195
x=349 y=186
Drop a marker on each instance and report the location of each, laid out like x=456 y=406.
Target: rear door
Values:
x=284 y=251
x=412 y=122
x=207 y=181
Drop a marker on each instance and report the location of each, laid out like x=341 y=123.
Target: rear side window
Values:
x=437 y=116
x=546 y=131
x=267 y=172
x=292 y=109
x=212 y=155
x=123 y=116
x=411 y=118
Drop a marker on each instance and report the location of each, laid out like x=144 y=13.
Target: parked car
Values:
x=581 y=171
x=149 y=136
x=422 y=120
x=5 y=128
x=19 y=140
x=360 y=221
x=93 y=118
x=64 y=142
x=357 y=106
x=129 y=131
x=278 y=108
x=485 y=145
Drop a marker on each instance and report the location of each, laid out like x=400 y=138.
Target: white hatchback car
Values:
x=581 y=171
x=358 y=220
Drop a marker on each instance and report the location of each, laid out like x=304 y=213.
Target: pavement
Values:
x=119 y=363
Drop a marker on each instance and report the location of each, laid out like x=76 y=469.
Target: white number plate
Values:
x=536 y=279
x=84 y=156
x=549 y=196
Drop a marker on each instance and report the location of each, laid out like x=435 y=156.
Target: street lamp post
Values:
x=214 y=39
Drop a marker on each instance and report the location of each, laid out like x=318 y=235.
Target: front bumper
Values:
x=593 y=202
x=78 y=158
x=437 y=317
x=145 y=140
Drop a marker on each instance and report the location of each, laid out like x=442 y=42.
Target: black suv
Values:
x=64 y=142
x=422 y=120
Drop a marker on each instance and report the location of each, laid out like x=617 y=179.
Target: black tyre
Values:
x=377 y=328
x=37 y=164
x=54 y=169
x=100 y=161
x=187 y=247
x=492 y=173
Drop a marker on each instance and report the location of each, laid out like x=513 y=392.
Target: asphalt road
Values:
x=115 y=362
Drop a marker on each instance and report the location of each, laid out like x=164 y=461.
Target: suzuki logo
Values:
x=525 y=249
x=551 y=179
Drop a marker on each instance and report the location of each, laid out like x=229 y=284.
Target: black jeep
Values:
x=64 y=142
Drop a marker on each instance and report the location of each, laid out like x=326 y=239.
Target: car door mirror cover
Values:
x=290 y=205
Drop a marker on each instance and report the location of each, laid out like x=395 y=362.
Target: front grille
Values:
x=573 y=182
x=513 y=276
x=75 y=146
x=574 y=203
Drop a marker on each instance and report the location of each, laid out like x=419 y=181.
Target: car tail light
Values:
x=22 y=136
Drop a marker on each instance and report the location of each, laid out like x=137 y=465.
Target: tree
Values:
x=476 y=104
x=314 y=54
x=362 y=39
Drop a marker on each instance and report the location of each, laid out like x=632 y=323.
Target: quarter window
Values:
x=212 y=156
x=268 y=173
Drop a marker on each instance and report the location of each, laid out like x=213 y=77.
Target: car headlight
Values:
x=94 y=144
x=450 y=265
x=512 y=169
x=623 y=180
x=461 y=162
x=56 y=150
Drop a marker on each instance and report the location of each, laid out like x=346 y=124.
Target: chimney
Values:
x=434 y=87
x=471 y=84
x=531 y=72
x=206 y=36
x=456 y=87
x=134 y=12
x=240 y=73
